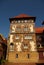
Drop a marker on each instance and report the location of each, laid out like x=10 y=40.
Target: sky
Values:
x=11 y=8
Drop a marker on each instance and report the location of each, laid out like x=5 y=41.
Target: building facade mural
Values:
x=22 y=39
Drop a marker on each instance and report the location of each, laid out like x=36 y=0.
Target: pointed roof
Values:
x=23 y=16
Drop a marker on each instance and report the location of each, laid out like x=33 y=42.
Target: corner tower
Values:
x=22 y=39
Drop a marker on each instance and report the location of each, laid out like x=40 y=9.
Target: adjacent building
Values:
x=40 y=43
x=3 y=47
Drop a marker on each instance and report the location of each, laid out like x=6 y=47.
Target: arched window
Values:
x=11 y=47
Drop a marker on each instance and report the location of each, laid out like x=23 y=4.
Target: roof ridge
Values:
x=22 y=15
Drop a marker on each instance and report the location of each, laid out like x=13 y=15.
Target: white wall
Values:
x=33 y=47
x=11 y=38
x=13 y=28
x=18 y=46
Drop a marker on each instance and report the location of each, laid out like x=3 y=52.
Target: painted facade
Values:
x=22 y=45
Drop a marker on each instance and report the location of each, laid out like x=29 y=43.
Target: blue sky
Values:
x=11 y=8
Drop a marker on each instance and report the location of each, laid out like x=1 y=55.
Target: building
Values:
x=3 y=47
x=40 y=43
x=22 y=45
x=40 y=36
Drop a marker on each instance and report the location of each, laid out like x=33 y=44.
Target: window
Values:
x=28 y=37
x=15 y=21
x=18 y=21
x=18 y=28
x=25 y=21
x=28 y=55
x=16 y=55
x=25 y=29
x=11 y=47
x=17 y=37
x=31 y=21
x=22 y=21
x=25 y=46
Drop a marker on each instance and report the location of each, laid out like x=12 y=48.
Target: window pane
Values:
x=17 y=37
x=25 y=29
x=25 y=47
x=22 y=21
x=28 y=37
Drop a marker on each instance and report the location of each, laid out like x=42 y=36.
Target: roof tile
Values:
x=39 y=29
x=22 y=16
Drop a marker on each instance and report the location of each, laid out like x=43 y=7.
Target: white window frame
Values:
x=25 y=46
